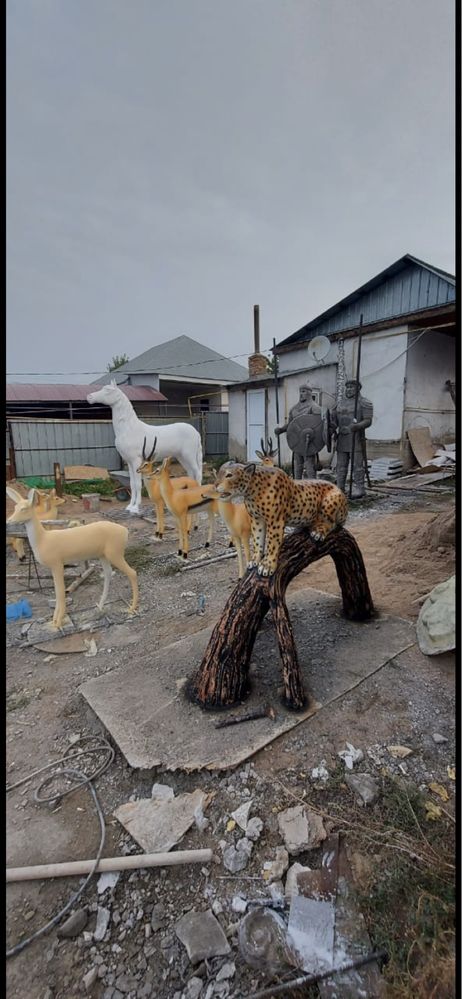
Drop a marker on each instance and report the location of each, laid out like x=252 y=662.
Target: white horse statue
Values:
x=180 y=440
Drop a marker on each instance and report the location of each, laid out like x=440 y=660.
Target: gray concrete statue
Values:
x=305 y=436
x=344 y=425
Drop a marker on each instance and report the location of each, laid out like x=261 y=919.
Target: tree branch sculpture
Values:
x=222 y=680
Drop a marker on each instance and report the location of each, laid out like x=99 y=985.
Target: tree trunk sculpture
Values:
x=222 y=680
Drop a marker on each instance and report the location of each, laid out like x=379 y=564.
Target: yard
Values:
x=399 y=848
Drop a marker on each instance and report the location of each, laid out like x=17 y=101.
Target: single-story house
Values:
x=194 y=378
x=407 y=357
x=69 y=402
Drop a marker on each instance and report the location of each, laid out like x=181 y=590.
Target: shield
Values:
x=296 y=433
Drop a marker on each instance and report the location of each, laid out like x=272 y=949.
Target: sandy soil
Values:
x=45 y=710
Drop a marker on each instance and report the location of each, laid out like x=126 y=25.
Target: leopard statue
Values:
x=274 y=500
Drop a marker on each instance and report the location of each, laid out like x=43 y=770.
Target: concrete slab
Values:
x=85 y=620
x=145 y=711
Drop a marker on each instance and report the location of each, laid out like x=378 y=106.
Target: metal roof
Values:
x=19 y=392
x=409 y=285
x=181 y=358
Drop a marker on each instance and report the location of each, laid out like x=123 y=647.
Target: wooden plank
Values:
x=81 y=473
x=421 y=444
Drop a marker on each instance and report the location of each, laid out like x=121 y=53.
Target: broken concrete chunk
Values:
x=193 y=988
x=301 y=828
x=239 y=904
x=236 y=858
x=293 y=886
x=74 y=925
x=202 y=936
x=107 y=880
x=241 y=815
x=158 y=824
x=102 y=922
x=365 y=786
x=158 y=917
x=439 y=739
x=350 y=756
x=311 y=931
x=274 y=869
x=162 y=792
x=320 y=772
x=227 y=971
x=254 y=828
x=90 y=978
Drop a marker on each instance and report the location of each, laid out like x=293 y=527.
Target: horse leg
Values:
x=135 y=488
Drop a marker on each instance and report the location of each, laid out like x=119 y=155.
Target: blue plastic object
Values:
x=21 y=608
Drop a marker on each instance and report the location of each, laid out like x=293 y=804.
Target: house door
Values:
x=255 y=421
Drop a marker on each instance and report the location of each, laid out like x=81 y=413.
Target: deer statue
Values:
x=182 y=502
x=56 y=548
x=46 y=508
x=180 y=440
x=267 y=453
x=146 y=469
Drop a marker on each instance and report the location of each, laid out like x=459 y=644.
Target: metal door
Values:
x=256 y=424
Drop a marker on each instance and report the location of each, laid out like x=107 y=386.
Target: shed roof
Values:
x=24 y=392
x=406 y=286
x=180 y=358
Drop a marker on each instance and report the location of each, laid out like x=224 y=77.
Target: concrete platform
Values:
x=144 y=709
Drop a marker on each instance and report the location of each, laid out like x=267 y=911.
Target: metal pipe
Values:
x=140 y=860
x=277 y=990
x=353 y=441
x=276 y=373
x=256 y=328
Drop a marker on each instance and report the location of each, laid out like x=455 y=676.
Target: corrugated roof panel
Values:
x=24 y=392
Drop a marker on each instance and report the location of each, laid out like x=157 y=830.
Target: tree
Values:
x=117 y=361
x=271 y=364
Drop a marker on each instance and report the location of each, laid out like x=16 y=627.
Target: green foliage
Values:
x=117 y=361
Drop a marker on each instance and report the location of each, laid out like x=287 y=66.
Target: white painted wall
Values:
x=383 y=366
x=300 y=358
x=430 y=361
x=237 y=424
x=150 y=379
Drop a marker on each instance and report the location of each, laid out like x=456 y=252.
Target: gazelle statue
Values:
x=180 y=440
x=55 y=548
x=237 y=520
x=183 y=502
x=46 y=508
x=267 y=453
x=152 y=483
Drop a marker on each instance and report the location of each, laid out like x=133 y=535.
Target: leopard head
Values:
x=234 y=479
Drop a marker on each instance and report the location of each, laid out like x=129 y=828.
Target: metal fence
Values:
x=38 y=444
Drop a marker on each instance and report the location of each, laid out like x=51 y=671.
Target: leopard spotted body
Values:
x=275 y=501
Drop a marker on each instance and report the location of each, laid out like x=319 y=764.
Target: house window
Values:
x=205 y=405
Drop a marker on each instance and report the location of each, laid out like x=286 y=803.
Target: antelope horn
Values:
x=262 y=445
x=153 y=449
x=144 y=449
x=270 y=444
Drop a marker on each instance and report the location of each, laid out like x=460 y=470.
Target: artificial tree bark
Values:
x=222 y=680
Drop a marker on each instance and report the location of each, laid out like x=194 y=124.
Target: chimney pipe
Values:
x=256 y=328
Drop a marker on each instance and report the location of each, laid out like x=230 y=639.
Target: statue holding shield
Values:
x=305 y=435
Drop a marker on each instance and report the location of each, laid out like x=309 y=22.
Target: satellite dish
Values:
x=318 y=349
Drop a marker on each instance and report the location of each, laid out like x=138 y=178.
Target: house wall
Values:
x=300 y=358
x=178 y=394
x=144 y=379
x=430 y=361
x=237 y=424
x=383 y=366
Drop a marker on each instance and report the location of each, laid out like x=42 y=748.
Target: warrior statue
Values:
x=305 y=435
x=342 y=422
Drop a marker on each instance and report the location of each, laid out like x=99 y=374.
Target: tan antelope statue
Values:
x=46 y=508
x=183 y=502
x=152 y=483
x=267 y=453
x=56 y=548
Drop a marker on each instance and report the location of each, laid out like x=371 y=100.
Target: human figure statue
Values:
x=305 y=437
x=343 y=423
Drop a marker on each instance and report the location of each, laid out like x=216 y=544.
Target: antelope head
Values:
x=147 y=465
x=267 y=453
x=24 y=508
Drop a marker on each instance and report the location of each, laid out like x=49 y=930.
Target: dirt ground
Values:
x=45 y=713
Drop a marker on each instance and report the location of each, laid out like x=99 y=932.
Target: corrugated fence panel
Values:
x=38 y=444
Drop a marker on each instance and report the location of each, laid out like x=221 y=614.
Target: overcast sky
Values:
x=172 y=162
